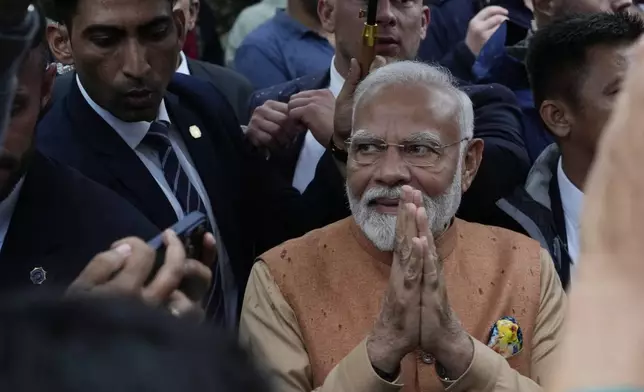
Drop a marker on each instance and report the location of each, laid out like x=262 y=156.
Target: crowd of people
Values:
x=463 y=215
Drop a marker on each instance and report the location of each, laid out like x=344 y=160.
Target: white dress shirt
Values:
x=7 y=206
x=312 y=150
x=571 y=201
x=133 y=134
x=183 y=67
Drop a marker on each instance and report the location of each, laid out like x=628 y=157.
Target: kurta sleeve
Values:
x=490 y=372
x=270 y=331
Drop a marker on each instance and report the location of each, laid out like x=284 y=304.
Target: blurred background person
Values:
x=291 y=44
x=82 y=344
x=233 y=85
x=248 y=20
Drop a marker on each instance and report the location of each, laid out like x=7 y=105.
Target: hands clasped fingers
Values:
x=268 y=126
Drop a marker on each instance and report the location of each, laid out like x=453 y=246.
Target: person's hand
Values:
x=13 y=12
x=125 y=268
x=441 y=334
x=270 y=126
x=344 y=103
x=396 y=331
x=483 y=25
x=313 y=109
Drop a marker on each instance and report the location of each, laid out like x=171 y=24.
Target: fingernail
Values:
x=124 y=250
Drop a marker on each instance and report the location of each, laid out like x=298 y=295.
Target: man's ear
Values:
x=195 y=6
x=59 y=44
x=544 y=7
x=326 y=12
x=471 y=163
x=47 y=86
x=557 y=117
x=180 y=24
x=425 y=21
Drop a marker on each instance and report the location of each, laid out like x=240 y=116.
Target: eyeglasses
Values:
x=414 y=153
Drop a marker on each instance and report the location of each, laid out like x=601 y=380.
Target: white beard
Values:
x=380 y=228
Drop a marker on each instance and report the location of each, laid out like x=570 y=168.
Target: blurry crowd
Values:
x=215 y=195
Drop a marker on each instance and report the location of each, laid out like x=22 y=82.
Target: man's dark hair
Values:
x=64 y=11
x=110 y=345
x=557 y=53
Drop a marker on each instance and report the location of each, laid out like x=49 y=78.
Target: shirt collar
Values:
x=183 y=66
x=571 y=197
x=276 y=3
x=131 y=132
x=337 y=81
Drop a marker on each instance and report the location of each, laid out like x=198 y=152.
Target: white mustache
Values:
x=381 y=193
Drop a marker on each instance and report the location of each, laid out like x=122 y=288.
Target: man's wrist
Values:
x=382 y=358
x=454 y=354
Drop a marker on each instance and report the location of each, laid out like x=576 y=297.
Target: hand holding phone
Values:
x=192 y=232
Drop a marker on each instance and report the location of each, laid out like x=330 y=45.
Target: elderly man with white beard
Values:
x=403 y=295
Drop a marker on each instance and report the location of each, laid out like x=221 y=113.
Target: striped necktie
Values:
x=177 y=178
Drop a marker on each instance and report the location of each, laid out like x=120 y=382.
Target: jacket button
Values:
x=428 y=359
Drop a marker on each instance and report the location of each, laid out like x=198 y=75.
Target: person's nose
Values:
x=392 y=170
x=385 y=14
x=135 y=62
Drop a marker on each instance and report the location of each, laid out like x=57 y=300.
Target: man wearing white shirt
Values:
x=576 y=68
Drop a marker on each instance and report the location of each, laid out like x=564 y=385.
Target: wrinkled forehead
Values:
x=397 y=112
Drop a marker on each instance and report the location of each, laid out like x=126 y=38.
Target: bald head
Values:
x=545 y=11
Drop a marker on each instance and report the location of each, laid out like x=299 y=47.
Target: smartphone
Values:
x=191 y=231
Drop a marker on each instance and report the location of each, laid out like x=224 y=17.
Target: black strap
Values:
x=560 y=226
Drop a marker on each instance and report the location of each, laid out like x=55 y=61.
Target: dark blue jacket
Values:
x=61 y=221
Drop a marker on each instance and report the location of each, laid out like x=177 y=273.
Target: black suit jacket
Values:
x=61 y=220
x=233 y=85
x=498 y=121
x=253 y=206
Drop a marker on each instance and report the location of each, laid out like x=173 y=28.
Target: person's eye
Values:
x=419 y=149
x=368 y=148
x=159 y=33
x=103 y=41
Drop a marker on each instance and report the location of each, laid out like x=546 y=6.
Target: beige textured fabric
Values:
x=311 y=302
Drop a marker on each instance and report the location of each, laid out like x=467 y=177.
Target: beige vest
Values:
x=334 y=279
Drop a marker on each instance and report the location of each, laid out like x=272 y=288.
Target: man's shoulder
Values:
x=265 y=34
x=221 y=74
x=87 y=202
x=476 y=232
x=304 y=247
x=283 y=91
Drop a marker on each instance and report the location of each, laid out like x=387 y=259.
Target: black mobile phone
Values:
x=190 y=230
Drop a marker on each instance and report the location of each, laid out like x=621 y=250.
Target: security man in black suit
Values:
x=294 y=121
x=53 y=220
x=168 y=152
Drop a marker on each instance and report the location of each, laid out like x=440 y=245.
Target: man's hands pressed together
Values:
x=125 y=269
x=416 y=313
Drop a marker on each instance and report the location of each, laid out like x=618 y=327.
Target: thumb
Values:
x=353 y=78
x=378 y=62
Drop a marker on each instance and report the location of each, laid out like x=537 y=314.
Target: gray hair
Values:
x=430 y=77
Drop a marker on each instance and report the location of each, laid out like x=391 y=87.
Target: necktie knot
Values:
x=157 y=135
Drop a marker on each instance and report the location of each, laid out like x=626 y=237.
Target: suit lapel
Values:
x=129 y=176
